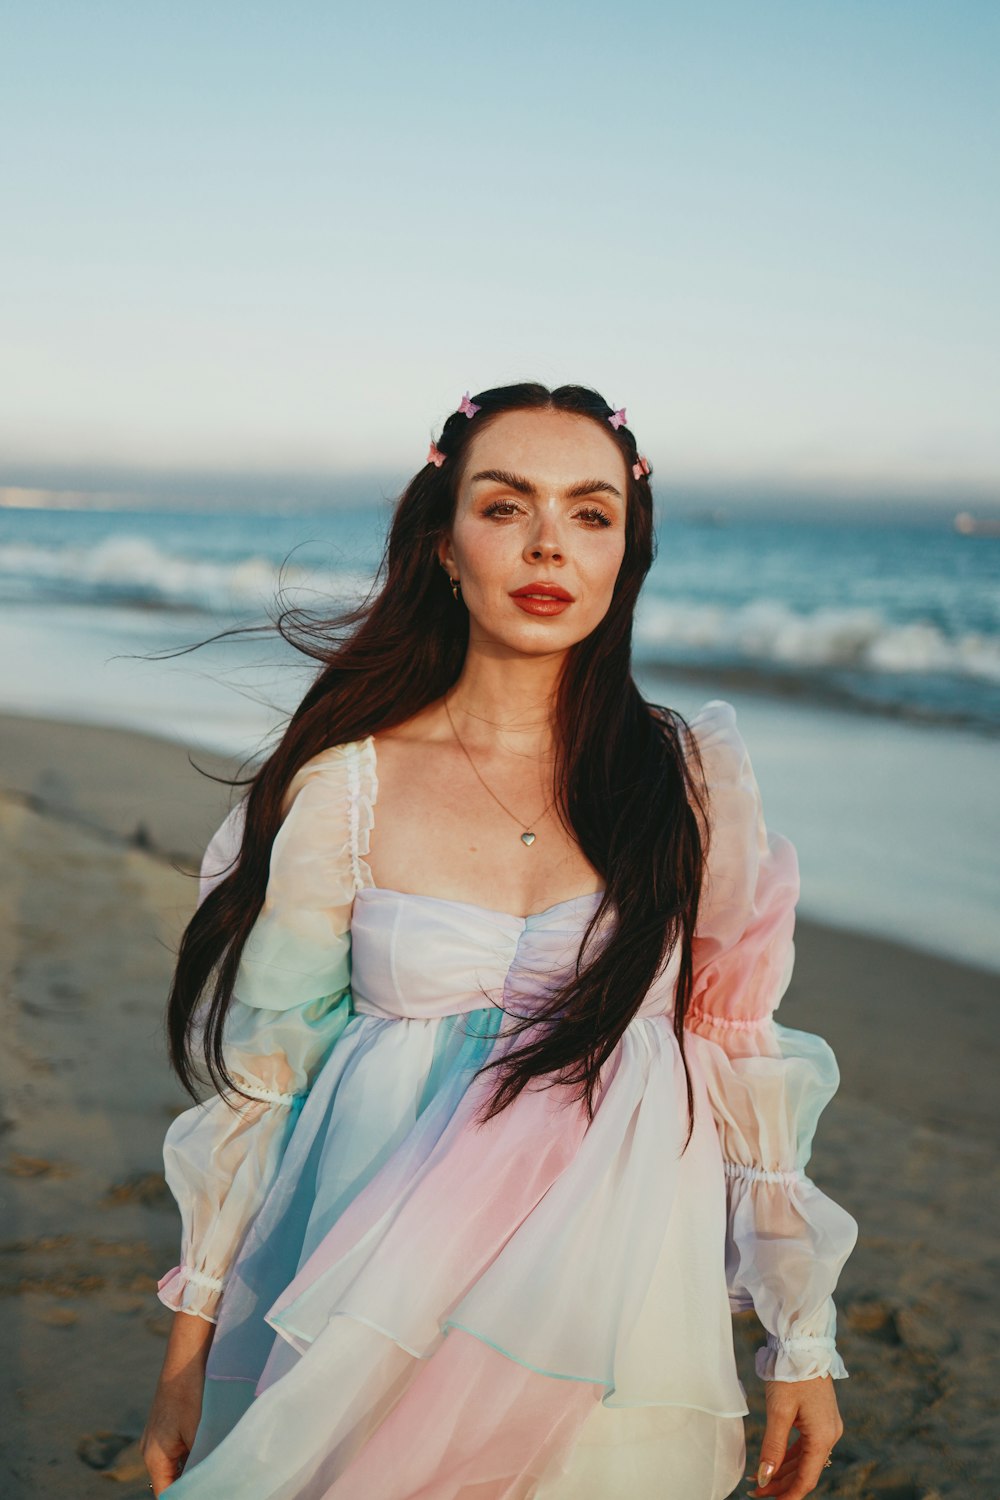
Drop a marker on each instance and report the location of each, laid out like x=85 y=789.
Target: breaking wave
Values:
x=128 y=569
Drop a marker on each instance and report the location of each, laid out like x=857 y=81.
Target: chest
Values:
x=439 y=831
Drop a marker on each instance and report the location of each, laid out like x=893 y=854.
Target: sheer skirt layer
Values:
x=456 y=1286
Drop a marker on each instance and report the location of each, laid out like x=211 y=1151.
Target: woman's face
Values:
x=541 y=501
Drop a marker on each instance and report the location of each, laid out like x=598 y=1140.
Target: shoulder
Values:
x=326 y=809
x=726 y=774
x=720 y=749
x=715 y=723
x=338 y=773
x=750 y=867
x=710 y=741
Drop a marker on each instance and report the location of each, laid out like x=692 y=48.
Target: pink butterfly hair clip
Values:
x=617 y=418
x=435 y=456
x=640 y=468
x=468 y=407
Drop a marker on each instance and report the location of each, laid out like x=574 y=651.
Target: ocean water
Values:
x=900 y=616
x=863 y=658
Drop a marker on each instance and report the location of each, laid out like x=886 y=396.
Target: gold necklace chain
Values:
x=511 y=728
x=527 y=837
x=521 y=754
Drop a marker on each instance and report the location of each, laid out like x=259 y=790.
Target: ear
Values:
x=445 y=555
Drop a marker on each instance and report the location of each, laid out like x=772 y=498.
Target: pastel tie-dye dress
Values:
x=411 y=1306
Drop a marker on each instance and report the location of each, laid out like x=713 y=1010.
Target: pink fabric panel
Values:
x=743 y=950
x=471 y=1425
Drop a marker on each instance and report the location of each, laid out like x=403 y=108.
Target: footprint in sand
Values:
x=35 y=1166
x=100 y=1449
x=148 y=1188
x=58 y=1317
x=128 y=1466
x=874 y=1318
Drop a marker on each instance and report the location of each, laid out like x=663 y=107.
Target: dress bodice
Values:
x=418 y=957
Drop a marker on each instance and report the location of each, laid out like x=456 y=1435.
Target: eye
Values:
x=500 y=507
x=594 y=516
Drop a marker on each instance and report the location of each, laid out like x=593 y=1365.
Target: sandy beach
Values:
x=101 y=831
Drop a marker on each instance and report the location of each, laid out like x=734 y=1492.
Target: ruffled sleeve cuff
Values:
x=787 y=1241
x=183 y=1289
x=786 y=1245
x=799 y=1359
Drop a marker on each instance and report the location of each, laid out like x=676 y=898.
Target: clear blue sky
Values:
x=288 y=236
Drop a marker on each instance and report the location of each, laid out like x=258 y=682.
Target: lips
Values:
x=542 y=599
x=542 y=591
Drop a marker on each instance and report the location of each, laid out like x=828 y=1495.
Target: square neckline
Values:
x=495 y=911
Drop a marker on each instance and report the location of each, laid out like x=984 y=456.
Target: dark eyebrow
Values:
x=525 y=486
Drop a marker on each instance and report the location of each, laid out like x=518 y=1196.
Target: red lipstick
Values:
x=542 y=598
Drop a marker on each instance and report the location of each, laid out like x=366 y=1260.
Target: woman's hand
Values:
x=793 y=1471
x=173 y=1418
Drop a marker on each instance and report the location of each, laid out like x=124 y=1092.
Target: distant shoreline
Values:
x=789 y=686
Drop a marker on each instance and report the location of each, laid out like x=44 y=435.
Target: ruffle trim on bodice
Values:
x=362 y=772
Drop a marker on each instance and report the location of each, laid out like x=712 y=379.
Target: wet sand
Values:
x=100 y=835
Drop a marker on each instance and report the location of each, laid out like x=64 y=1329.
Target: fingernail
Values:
x=764 y=1473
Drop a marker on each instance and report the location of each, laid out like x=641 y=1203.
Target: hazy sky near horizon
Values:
x=289 y=236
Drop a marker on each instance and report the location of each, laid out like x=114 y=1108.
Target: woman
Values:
x=502 y=1126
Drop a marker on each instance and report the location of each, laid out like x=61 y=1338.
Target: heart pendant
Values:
x=527 y=838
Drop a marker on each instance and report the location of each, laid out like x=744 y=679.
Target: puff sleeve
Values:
x=768 y=1084
x=291 y=1002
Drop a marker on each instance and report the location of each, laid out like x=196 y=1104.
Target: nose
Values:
x=544 y=545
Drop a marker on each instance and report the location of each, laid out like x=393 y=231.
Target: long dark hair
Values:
x=625 y=787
